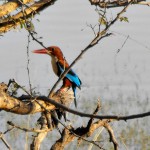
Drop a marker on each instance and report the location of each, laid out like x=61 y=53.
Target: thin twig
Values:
x=132 y=39
x=28 y=63
x=112 y=136
x=123 y=44
x=27 y=129
x=95 y=138
x=21 y=87
x=4 y=141
x=30 y=87
x=8 y=130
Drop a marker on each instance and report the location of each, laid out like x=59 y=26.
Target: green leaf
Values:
x=125 y=19
x=102 y=21
x=38 y=20
x=21 y=24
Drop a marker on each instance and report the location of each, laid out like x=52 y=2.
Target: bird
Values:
x=59 y=65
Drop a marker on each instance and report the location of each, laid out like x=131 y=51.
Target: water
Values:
x=120 y=80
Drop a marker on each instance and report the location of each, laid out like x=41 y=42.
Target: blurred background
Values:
x=120 y=80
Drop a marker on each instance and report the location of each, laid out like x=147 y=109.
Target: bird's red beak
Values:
x=40 y=51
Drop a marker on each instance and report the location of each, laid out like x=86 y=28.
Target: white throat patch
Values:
x=54 y=65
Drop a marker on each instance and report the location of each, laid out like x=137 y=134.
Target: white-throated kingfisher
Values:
x=59 y=65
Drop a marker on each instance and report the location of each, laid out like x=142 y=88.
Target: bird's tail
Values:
x=74 y=91
x=60 y=114
x=55 y=121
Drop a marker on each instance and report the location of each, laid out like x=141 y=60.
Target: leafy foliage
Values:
x=125 y=19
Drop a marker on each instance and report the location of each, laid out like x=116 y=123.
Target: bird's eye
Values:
x=52 y=49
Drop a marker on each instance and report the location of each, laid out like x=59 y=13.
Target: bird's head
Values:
x=52 y=51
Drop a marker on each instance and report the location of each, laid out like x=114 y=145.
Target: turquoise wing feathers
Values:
x=71 y=75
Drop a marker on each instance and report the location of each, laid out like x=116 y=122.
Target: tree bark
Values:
x=14 y=105
x=10 y=6
x=12 y=22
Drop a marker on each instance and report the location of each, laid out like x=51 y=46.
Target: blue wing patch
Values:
x=71 y=76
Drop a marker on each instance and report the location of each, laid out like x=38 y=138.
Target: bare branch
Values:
x=4 y=141
x=81 y=114
x=116 y=3
x=14 y=105
x=100 y=35
x=10 y=6
x=29 y=130
x=28 y=63
x=7 y=24
x=112 y=136
x=10 y=22
x=40 y=136
x=123 y=44
x=69 y=134
x=32 y=105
